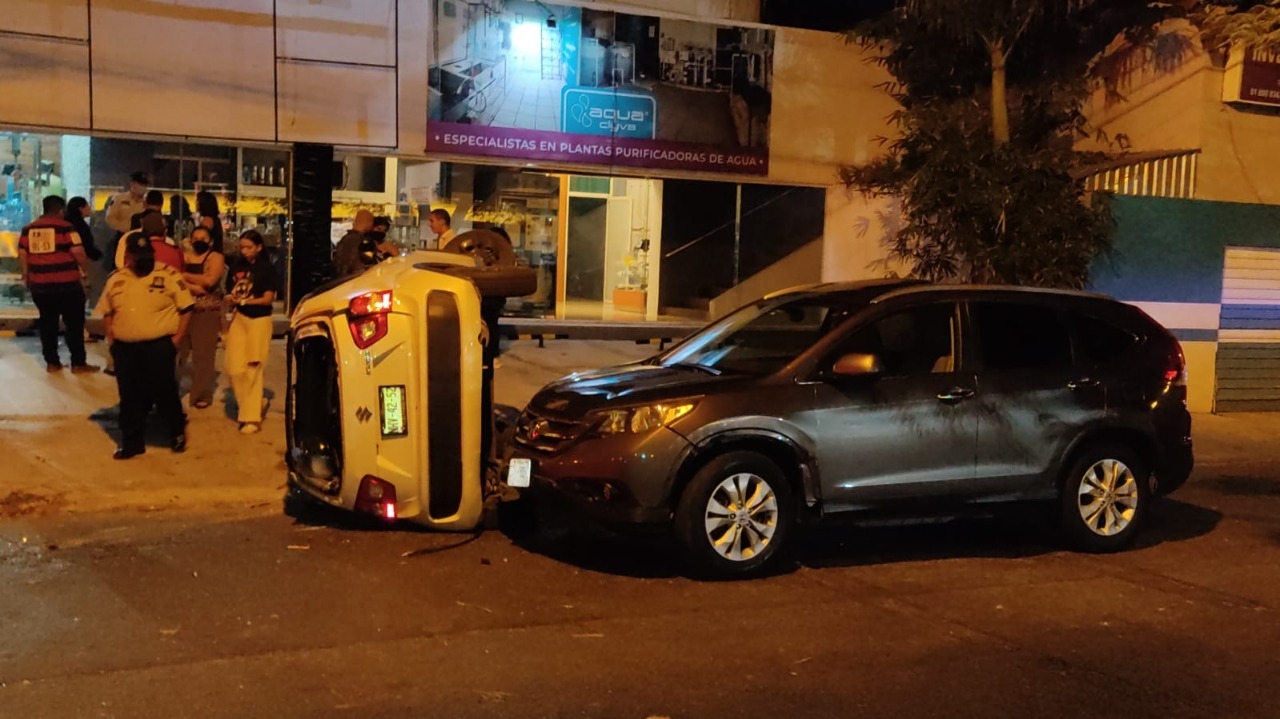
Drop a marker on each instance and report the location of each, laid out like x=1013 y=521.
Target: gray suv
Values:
x=876 y=399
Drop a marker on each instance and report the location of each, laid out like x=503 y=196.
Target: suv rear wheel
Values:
x=735 y=516
x=1105 y=498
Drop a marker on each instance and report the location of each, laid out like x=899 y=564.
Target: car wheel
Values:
x=1105 y=498
x=735 y=516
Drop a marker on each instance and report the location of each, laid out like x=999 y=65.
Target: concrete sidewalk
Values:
x=57 y=451
x=56 y=447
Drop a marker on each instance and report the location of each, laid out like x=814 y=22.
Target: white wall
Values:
x=1183 y=109
x=49 y=59
x=802 y=267
x=247 y=70
x=855 y=234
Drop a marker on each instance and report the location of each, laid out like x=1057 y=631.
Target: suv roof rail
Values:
x=1000 y=289
x=889 y=283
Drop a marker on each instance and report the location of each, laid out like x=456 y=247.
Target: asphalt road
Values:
x=261 y=614
x=176 y=586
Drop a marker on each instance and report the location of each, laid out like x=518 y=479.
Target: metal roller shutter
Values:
x=1248 y=374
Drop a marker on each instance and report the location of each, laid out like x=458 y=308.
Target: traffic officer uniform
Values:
x=147 y=317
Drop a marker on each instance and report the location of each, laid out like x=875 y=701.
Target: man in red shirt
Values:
x=167 y=252
x=53 y=266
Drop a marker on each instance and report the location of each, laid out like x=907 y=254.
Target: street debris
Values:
x=21 y=504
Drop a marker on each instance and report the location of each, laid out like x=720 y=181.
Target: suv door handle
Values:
x=955 y=394
x=1083 y=383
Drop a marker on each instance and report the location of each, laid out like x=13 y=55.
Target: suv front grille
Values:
x=547 y=434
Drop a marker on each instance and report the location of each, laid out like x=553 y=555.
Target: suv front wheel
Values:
x=1104 y=498
x=735 y=515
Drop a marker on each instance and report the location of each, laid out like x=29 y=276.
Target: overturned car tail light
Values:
x=377 y=497
x=367 y=317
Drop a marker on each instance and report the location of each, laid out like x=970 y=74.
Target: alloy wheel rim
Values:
x=741 y=517
x=1108 y=497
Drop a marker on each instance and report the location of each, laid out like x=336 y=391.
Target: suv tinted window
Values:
x=919 y=340
x=1014 y=336
x=1099 y=341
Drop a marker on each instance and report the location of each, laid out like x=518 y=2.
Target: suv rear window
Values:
x=1014 y=336
x=1099 y=341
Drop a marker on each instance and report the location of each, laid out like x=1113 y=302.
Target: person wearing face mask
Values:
x=251 y=290
x=146 y=308
x=202 y=270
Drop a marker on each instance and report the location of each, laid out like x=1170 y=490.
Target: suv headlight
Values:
x=639 y=420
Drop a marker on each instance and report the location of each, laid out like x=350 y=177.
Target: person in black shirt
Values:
x=210 y=218
x=77 y=213
x=251 y=290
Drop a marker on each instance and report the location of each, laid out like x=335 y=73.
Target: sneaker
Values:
x=122 y=453
x=53 y=367
x=250 y=428
x=85 y=368
x=180 y=443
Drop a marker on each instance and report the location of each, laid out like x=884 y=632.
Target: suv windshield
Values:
x=764 y=337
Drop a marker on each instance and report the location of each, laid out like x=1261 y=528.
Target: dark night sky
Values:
x=821 y=14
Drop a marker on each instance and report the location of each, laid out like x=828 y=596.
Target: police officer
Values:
x=147 y=308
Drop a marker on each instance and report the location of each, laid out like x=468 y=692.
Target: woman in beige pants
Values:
x=251 y=290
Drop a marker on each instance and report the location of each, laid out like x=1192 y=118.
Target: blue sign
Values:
x=614 y=113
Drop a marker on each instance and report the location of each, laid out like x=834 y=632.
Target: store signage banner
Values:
x=530 y=81
x=1260 y=78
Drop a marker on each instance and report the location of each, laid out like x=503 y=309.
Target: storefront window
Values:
x=31 y=167
x=522 y=203
x=589 y=237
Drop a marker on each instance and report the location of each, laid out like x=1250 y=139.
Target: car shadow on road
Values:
x=1014 y=536
x=1177 y=521
x=1025 y=535
x=566 y=539
x=1243 y=485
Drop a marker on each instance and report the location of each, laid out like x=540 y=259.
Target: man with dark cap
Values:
x=146 y=307
x=122 y=208
x=124 y=205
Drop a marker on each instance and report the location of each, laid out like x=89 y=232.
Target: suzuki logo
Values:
x=538 y=428
x=364 y=415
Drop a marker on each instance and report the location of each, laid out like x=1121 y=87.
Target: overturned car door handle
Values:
x=955 y=394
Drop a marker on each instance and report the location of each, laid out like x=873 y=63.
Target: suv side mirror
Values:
x=857 y=365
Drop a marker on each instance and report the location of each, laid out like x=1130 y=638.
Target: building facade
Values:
x=468 y=107
x=1198 y=209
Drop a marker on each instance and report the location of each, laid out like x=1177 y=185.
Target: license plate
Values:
x=519 y=471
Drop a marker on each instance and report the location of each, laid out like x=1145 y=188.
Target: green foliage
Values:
x=981 y=204
x=1248 y=23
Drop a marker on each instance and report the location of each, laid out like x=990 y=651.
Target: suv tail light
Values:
x=367 y=317
x=377 y=497
x=1176 y=369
